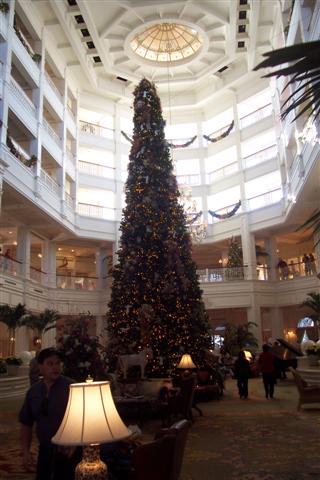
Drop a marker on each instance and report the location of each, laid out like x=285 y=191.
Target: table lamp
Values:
x=90 y=419
x=186 y=362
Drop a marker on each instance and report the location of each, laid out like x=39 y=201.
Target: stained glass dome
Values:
x=166 y=42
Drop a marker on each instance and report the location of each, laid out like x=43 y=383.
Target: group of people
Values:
x=308 y=262
x=267 y=365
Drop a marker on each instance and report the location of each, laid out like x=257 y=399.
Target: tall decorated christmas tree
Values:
x=155 y=298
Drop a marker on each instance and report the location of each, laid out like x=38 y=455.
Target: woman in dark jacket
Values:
x=242 y=374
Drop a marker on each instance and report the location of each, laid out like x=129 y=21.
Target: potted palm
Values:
x=12 y=317
x=13 y=364
x=41 y=323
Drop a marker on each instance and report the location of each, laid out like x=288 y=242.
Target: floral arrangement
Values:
x=82 y=353
x=314 y=350
x=13 y=360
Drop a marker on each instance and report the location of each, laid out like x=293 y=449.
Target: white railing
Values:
x=71 y=111
x=255 y=116
x=36 y=274
x=50 y=182
x=53 y=86
x=222 y=274
x=51 y=132
x=71 y=156
x=97 y=211
x=261 y=156
x=76 y=282
x=93 y=129
x=19 y=153
x=69 y=200
x=96 y=169
x=24 y=42
x=22 y=96
x=264 y=199
x=193 y=179
x=223 y=172
x=10 y=266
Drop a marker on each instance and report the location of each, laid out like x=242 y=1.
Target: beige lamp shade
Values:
x=90 y=417
x=186 y=362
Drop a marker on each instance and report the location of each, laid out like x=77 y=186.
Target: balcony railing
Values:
x=53 y=86
x=255 y=116
x=188 y=179
x=267 y=198
x=222 y=172
x=10 y=266
x=69 y=200
x=223 y=274
x=96 y=169
x=49 y=182
x=36 y=274
x=22 y=96
x=18 y=151
x=97 y=130
x=77 y=282
x=97 y=211
x=51 y=132
x=261 y=156
x=24 y=42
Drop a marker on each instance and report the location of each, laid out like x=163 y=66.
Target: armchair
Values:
x=307 y=393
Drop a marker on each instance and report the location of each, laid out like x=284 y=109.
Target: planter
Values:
x=313 y=360
x=13 y=370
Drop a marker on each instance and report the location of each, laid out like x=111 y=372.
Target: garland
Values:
x=184 y=145
x=171 y=145
x=195 y=217
x=126 y=136
x=228 y=214
x=220 y=137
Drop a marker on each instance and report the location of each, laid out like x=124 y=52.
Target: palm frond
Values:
x=312 y=222
x=304 y=68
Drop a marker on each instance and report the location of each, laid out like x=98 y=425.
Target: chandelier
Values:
x=196 y=226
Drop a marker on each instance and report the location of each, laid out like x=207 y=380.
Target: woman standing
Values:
x=242 y=374
x=267 y=367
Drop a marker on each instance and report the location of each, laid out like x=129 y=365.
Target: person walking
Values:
x=242 y=373
x=267 y=367
x=44 y=405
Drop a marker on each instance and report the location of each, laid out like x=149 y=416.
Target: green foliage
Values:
x=154 y=266
x=313 y=302
x=83 y=354
x=13 y=360
x=4 y=7
x=42 y=322
x=238 y=337
x=313 y=222
x=304 y=73
x=12 y=316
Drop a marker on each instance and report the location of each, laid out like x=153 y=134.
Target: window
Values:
x=187 y=167
x=98 y=157
x=96 y=203
x=263 y=190
x=255 y=108
x=305 y=322
x=259 y=149
x=221 y=159
x=181 y=132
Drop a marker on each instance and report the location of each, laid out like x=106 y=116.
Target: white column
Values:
x=23 y=250
x=248 y=249
x=22 y=340
x=100 y=329
x=48 y=263
x=272 y=259
x=276 y=322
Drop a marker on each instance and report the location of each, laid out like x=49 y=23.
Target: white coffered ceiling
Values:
x=94 y=36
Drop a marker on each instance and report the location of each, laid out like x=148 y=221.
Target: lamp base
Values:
x=91 y=467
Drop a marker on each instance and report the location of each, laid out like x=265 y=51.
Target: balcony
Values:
x=97 y=130
x=9 y=266
x=256 y=116
x=192 y=180
x=75 y=282
x=261 y=156
x=50 y=183
x=223 y=274
x=267 y=198
x=222 y=172
x=96 y=169
x=96 y=211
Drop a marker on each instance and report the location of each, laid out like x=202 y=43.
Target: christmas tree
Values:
x=235 y=263
x=155 y=298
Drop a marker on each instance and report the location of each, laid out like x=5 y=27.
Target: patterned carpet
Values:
x=254 y=439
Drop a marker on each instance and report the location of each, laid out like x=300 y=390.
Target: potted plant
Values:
x=13 y=364
x=12 y=317
x=41 y=323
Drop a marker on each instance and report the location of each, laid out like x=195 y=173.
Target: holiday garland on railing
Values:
x=171 y=145
x=194 y=218
x=223 y=216
x=221 y=136
x=184 y=145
